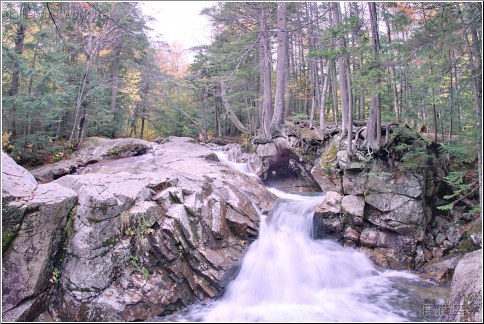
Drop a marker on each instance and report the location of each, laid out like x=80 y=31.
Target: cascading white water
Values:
x=241 y=167
x=286 y=275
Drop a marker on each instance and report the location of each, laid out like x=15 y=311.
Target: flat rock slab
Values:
x=93 y=149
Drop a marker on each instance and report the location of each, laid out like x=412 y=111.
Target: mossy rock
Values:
x=474 y=227
x=126 y=150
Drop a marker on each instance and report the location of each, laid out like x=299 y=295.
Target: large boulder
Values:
x=441 y=269
x=324 y=170
x=154 y=233
x=388 y=249
x=466 y=289
x=389 y=208
x=18 y=187
x=354 y=209
x=328 y=221
x=283 y=169
x=30 y=260
x=92 y=149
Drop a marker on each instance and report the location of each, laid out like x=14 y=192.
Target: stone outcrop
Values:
x=154 y=232
x=281 y=167
x=387 y=210
x=149 y=234
x=466 y=290
x=35 y=219
x=93 y=149
x=18 y=187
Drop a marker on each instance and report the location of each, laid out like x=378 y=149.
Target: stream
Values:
x=286 y=275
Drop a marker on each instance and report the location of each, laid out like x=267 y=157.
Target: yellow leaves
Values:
x=104 y=52
x=6 y=145
x=131 y=85
x=173 y=61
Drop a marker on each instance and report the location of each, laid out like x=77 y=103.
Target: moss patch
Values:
x=109 y=241
x=7 y=237
x=70 y=222
x=329 y=157
x=475 y=227
x=467 y=246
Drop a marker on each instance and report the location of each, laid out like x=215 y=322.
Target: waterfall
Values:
x=288 y=276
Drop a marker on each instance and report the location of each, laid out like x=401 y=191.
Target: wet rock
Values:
x=387 y=258
x=255 y=164
x=159 y=140
x=473 y=231
x=466 y=289
x=17 y=182
x=378 y=238
x=326 y=177
x=402 y=183
x=442 y=268
x=325 y=170
x=429 y=240
x=386 y=202
x=328 y=222
x=342 y=159
x=351 y=234
x=438 y=252
x=453 y=235
x=331 y=204
x=235 y=154
x=212 y=157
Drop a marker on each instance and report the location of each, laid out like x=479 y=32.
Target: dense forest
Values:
x=78 y=69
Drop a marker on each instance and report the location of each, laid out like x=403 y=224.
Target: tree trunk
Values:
x=334 y=90
x=205 y=120
x=143 y=111
x=451 y=97
x=457 y=101
x=374 y=118
x=322 y=117
x=267 y=88
x=346 y=125
x=19 y=49
x=115 y=87
x=475 y=63
x=396 y=109
x=279 y=105
x=230 y=114
x=361 y=112
x=434 y=111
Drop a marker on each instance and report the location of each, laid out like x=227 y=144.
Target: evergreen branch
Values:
x=109 y=18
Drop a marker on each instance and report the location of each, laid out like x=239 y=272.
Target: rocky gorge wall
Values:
x=384 y=206
x=129 y=238
x=131 y=229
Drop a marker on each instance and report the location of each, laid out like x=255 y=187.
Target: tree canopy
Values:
x=73 y=69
